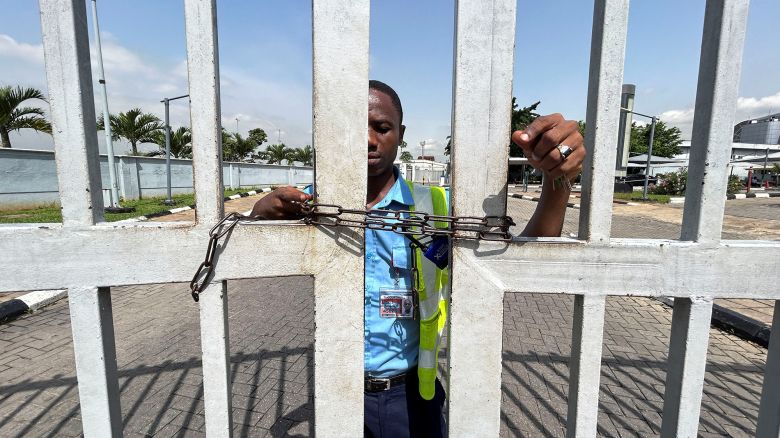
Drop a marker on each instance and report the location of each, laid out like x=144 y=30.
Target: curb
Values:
x=568 y=204
x=735 y=323
x=753 y=195
x=29 y=302
x=192 y=207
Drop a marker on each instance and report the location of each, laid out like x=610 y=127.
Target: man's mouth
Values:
x=373 y=157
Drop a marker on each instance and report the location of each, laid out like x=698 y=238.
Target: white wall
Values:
x=28 y=178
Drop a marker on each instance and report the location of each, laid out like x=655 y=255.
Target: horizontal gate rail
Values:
x=87 y=256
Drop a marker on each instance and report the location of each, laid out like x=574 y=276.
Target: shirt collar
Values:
x=399 y=192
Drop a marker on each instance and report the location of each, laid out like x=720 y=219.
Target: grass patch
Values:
x=51 y=213
x=637 y=196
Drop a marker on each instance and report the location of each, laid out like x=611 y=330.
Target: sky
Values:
x=265 y=61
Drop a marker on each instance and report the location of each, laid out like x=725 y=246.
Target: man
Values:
x=403 y=397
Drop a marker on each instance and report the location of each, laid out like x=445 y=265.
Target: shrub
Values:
x=672 y=183
x=734 y=185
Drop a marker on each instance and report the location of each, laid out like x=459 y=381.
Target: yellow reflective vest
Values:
x=433 y=289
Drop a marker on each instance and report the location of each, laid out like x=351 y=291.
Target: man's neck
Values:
x=378 y=186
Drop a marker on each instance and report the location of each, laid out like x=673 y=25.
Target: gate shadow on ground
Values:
x=536 y=371
x=176 y=408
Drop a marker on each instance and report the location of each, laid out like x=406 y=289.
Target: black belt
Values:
x=376 y=384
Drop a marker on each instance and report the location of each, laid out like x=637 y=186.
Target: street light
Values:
x=653 y=119
x=113 y=203
x=169 y=200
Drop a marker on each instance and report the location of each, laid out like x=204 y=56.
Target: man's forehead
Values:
x=381 y=102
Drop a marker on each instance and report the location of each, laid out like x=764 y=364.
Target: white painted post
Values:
x=607 y=54
x=340 y=61
x=205 y=117
x=482 y=96
x=92 y=324
x=585 y=365
x=685 y=367
x=769 y=411
x=215 y=344
x=720 y=65
x=72 y=103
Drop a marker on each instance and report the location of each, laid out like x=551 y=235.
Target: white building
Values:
x=424 y=171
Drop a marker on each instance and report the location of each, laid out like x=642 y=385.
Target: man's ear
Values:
x=401 y=132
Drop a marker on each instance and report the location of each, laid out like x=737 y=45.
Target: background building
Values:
x=765 y=130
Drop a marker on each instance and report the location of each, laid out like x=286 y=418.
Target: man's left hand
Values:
x=540 y=143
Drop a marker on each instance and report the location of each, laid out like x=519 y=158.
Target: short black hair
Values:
x=373 y=84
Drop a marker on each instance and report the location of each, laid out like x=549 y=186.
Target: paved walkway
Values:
x=271 y=323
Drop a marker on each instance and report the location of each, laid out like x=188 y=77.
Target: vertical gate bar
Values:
x=92 y=324
x=769 y=411
x=585 y=365
x=72 y=103
x=481 y=122
x=340 y=40
x=720 y=66
x=215 y=344
x=685 y=367
x=205 y=112
x=607 y=54
x=481 y=106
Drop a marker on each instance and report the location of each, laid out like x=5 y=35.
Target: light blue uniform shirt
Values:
x=390 y=344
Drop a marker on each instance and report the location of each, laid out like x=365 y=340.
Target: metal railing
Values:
x=695 y=269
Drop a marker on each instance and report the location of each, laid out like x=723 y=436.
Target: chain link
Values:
x=414 y=224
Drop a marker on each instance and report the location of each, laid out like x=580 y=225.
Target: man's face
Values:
x=385 y=132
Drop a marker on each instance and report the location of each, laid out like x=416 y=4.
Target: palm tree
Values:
x=14 y=118
x=303 y=155
x=181 y=142
x=135 y=126
x=276 y=153
x=237 y=148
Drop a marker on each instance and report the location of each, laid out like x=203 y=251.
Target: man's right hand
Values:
x=282 y=203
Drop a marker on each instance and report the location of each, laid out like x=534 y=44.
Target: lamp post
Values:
x=653 y=120
x=169 y=199
x=113 y=204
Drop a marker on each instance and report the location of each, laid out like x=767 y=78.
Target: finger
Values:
x=539 y=126
x=524 y=145
x=571 y=166
x=290 y=194
x=546 y=151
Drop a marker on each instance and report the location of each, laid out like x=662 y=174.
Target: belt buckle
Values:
x=380 y=384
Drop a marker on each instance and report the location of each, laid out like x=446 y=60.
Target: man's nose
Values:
x=372 y=139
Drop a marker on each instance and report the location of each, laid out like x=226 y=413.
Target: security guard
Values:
x=405 y=316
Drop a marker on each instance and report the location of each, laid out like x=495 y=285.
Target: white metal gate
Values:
x=87 y=255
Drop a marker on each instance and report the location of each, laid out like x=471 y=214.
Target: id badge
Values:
x=396 y=303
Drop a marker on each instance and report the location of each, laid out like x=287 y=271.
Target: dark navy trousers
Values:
x=400 y=412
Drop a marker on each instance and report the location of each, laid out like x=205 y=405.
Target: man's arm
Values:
x=540 y=141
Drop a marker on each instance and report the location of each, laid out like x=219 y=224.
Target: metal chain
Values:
x=415 y=225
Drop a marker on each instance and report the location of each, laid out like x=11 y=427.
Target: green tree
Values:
x=521 y=118
x=666 y=141
x=303 y=155
x=258 y=136
x=135 y=126
x=407 y=157
x=181 y=142
x=276 y=153
x=449 y=145
x=14 y=118
x=235 y=147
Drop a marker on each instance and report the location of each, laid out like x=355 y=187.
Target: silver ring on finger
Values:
x=565 y=151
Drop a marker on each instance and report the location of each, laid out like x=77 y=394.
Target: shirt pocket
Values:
x=401 y=255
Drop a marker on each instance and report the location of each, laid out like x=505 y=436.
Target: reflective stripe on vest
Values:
x=433 y=289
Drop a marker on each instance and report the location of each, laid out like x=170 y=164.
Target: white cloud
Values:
x=135 y=80
x=747 y=107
